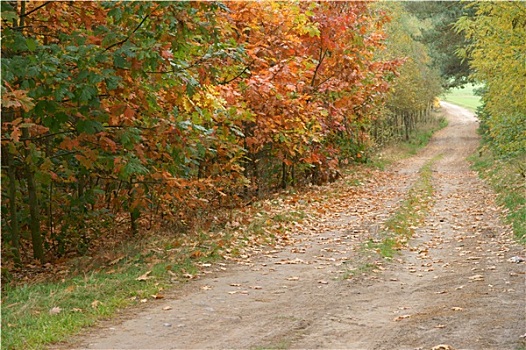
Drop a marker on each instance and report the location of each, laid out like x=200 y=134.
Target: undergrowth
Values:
x=508 y=180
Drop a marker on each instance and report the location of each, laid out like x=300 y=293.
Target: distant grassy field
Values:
x=464 y=97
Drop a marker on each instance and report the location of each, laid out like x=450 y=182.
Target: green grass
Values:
x=464 y=97
x=363 y=268
x=508 y=181
x=28 y=324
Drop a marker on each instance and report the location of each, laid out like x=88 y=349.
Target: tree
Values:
x=439 y=35
x=135 y=114
x=418 y=81
x=496 y=55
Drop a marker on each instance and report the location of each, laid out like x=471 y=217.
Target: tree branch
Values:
x=129 y=36
x=35 y=9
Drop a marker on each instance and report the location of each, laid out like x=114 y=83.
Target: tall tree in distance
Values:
x=440 y=36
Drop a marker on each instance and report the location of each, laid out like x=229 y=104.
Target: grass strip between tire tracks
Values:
x=400 y=227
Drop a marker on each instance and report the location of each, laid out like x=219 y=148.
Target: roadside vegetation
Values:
x=508 y=179
x=174 y=128
x=497 y=33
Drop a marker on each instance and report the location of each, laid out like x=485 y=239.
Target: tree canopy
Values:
x=140 y=114
x=497 y=56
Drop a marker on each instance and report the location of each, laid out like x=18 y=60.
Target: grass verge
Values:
x=508 y=181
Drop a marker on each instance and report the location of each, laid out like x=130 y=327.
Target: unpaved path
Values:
x=452 y=285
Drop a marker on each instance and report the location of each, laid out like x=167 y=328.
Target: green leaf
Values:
x=89 y=126
x=31 y=44
x=130 y=137
x=133 y=167
x=116 y=13
x=86 y=93
x=119 y=61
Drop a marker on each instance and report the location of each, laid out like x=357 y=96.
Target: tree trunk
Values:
x=36 y=237
x=15 y=228
x=284 y=175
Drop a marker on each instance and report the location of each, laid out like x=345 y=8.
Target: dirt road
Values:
x=453 y=284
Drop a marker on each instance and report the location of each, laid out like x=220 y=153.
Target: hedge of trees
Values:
x=139 y=114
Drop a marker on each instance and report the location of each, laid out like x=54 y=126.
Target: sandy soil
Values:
x=453 y=285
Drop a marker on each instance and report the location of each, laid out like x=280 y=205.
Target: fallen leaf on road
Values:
x=402 y=317
x=206 y=288
x=443 y=347
x=456 y=308
x=235 y=284
x=477 y=278
x=166 y=308
x=293 y=278
x=440 y=326
x=323 y=282
x=290 y=262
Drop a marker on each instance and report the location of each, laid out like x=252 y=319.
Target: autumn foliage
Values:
x=140 y=114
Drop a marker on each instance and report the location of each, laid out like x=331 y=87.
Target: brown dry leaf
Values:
x=158 y=296
x=145 y=276
x=70 y=289
x=76 y=309
x=144 y=300
x=233 y=292
x=235 y=284
x=323 y=282
x=477 y=278
x=206 y=287
x=166 y=308
x=456 y=308
x=440 y=326
x=402 y=317
x=290 y=262
x=256 y=287
x=95 y=304
x=442 y=347
x=113 y=262
x=294 y=278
